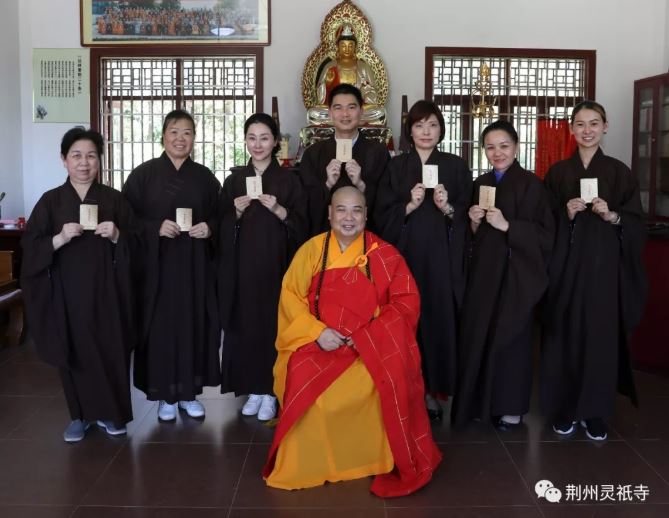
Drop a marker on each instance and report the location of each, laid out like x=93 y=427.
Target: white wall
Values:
x=629 y=37
x=42 y=24
x=10 y=137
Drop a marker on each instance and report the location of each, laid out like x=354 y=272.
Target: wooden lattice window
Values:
x=134 y=91
x=527 y=84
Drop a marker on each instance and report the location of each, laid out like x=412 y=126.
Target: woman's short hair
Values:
x=422 y=110
x=81 y=133
x=176 y=115
x=500 y=125
x=267 y=120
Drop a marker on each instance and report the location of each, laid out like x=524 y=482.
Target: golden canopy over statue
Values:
x=345 y=56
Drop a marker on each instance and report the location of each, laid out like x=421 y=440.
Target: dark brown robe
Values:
x=78 y=301
x=255 y=251
x=597 y=292
x=372 y=157
x=507 y=276
x=180 y=334
x=433 y=246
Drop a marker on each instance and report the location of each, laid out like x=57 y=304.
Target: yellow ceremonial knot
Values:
x=361 y=261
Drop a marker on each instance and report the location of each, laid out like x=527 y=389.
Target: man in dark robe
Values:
x=79 y=305
x=322 y=174
x=596 y=295
x=255 y=251
x=178 y=348
x=507 y=276
x=432 y=243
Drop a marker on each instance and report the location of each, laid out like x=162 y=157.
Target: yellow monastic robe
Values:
x=341 y=436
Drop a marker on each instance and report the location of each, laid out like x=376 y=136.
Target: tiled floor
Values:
x=211 y=468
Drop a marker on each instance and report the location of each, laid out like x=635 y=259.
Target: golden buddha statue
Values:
x=347 y=67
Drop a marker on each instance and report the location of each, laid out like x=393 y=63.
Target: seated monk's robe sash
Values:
x=351 y=413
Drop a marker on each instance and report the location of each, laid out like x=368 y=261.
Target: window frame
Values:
x=506 y=103
x=184 y=52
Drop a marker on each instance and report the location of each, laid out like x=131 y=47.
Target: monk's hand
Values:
x=354 y=172
x=417 y=197
x=601 y=208
x=200 y=231
x=575 y=205
x=169 y=229
x=333 y=170
x=496 y=219
x=108 y=230
x=241 y=203
x=440 y=198
x=330 y=339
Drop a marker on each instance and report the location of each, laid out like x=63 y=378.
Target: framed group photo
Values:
x=107 y=23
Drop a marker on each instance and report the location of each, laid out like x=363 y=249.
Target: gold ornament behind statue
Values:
x=345 y=56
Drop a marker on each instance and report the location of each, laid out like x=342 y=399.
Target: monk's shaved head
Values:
x=347 y=213
x=348 y=192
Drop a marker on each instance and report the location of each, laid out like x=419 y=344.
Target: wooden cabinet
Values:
x=10 y=239
x=650 y=152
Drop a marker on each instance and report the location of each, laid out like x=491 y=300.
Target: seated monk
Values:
x=347 y=68
x=348 y=374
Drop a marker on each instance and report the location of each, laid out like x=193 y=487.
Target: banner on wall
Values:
x=61 y=85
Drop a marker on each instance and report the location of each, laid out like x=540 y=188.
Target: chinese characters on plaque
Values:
x=61 y=85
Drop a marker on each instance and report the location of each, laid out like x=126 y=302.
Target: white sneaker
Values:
x=193 y=408
x=511 y=419
x=267 y=408
x=167 y=411
x=252 y=404
x=111 y=428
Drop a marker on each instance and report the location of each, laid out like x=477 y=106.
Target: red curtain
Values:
x=554 y=143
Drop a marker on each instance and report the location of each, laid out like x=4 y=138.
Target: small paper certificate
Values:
x=344 y=149
x=588 y=189
x=430 y=176
x=487 y=197
x=88 y=216
x=185 y=219
x=253 y=187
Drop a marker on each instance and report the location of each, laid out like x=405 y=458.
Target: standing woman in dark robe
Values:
x=597 y=284
x=509 y=249
x=258 y=239
x=428 y=227
x=180 y=336
x=76 y=285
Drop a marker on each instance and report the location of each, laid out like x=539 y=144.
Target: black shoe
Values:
x=595 y=428
x=435 y=414
x=564 y=427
